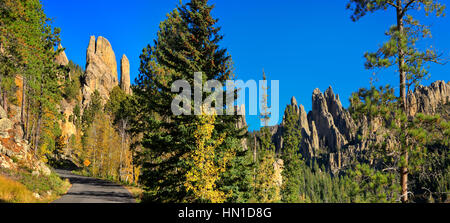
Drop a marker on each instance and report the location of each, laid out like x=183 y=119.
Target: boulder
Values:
x=3 y=113
x=5 y=125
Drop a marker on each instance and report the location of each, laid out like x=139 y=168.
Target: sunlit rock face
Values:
x=425 y=99
x=125 y=75
x=329 y=133
x=101 y=70
x=61 y=58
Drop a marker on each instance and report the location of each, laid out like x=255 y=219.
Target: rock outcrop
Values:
x=125 y=75
x=15 y=152
x=61 y=58
x=68 y=128
x=425 y=99
x=329 y=132
x=101 y=70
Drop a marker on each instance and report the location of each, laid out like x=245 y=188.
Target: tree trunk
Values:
x=39 y=122
x=132 y=167
x=22 y=109
x=402 y=73
x=38 y=130
x=404 y=180
x=5 y=101
x=254 y=149
x=27 y=128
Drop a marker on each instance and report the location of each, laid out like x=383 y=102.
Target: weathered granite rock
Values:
x=3 y=113
x=5 y=123
x=61 y=58
x=341 y=117
x=314 y=137
x=125 y=75
x=68 y=127
x=303 y=120
x=329 y=132
x=15 y=152
x=426 y=99
x=101 y=70
x=104 y=50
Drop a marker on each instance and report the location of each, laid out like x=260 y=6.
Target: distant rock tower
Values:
x=125 y=75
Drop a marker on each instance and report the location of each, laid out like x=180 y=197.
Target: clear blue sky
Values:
x=303 y=44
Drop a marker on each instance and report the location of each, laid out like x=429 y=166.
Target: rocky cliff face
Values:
x=329 y=132
x=65 y=107
x=426 y=99
x=101 y=70
x=15 y=152
x=101 y=75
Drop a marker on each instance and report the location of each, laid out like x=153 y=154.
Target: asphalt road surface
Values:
x=91 y=190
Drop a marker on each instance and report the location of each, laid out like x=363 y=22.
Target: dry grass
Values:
x=14 y=192
x=136 y=192
x=21 y=187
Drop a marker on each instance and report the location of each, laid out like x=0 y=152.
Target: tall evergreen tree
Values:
x=187 y=42
x=412 y=135
x=27 y=47
x=401 y=49
x=291 y=156
x=265 y=188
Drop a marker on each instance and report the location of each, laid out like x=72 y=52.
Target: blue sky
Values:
x=303 y=44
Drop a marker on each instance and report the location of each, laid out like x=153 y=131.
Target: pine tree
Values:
x=401 y=49
x=27 y=48
x=413 y=135
x=238 y=179
x=187 y=42
x=291 y=157
x=265 y=188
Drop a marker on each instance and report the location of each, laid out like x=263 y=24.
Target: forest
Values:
x=383 y=148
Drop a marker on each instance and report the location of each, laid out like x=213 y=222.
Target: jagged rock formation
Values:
x=426 y=99
x=101 y=70
x=125 y=75
x=329 y=132
x=16 y=152
x=61 y=58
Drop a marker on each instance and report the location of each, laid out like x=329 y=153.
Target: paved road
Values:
x=91 y=190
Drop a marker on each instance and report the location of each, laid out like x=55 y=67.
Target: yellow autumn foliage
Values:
x=265 y=183
x=205 y=172
x=110 y=156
